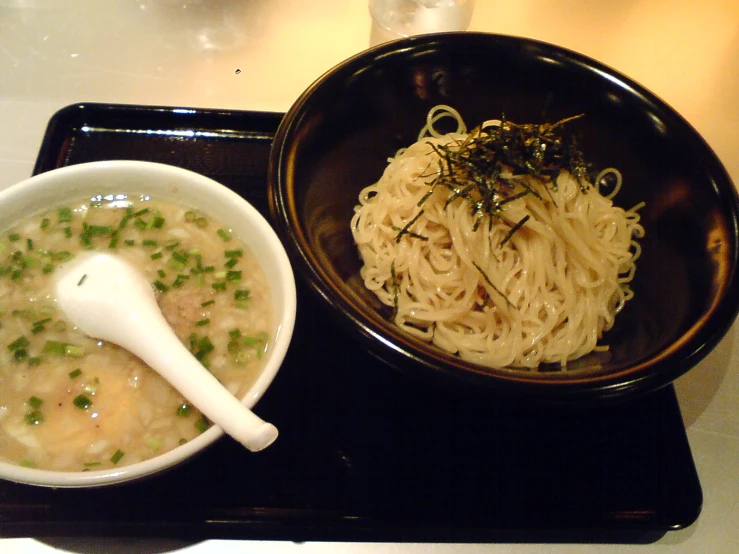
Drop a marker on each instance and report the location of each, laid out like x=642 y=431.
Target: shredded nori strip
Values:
x=471 y=169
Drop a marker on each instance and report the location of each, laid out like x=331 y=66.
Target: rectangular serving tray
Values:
x=364 y=453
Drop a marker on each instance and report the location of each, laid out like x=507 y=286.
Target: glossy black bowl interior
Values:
x=336 y=139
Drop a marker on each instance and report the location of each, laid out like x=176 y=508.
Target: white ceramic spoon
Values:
x=107 y=298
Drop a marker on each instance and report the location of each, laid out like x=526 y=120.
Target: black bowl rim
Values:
x=396 y=349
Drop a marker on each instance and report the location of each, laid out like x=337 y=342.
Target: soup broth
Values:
x=72 y=403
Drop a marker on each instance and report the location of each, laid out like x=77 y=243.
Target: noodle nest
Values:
x=537 y=282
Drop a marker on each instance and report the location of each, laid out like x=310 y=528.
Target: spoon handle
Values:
x=194 y=381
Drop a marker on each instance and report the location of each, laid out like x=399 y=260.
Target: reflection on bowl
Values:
x=94 y=399
x=336 y=140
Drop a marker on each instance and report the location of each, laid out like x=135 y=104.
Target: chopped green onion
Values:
x=75 y=373
x=34 y=360
x=129 y=242
x=40 y=325
x=13 y=237
x=82 y=402
x=219 y=286
x=92 y=464
x=114 y=239
x=61 y=256
x=58 y=348
x=65 y=215
x=156 y=256
x=183 y=410
x=68 y=232
x=35 y=402
x=171 y=244
x=237 y=253
x=190 y=216
x=29 y=244
x=202 y=425
x=45 y=222
x=207 y=303
x=19 y=343
x=232 y=262
x=28 y=463
x=202 y=322
x=241 y=294
x=161 y=273
x=149 y=243
x=224 y=234
x=157 y=222
x=117 y=456
x=161 y=287
x=124 y=221
x=34 y=417
x=47 y=269
x=97 y=230
x=233 y=276
x=141 y=212
x=180 y=280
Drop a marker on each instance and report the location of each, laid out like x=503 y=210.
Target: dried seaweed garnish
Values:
x=489 y=282
x=396 y=288
x=406 y=229
x=513 y=229
x=472 y=169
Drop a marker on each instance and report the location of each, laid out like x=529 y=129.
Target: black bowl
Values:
x=336 y=139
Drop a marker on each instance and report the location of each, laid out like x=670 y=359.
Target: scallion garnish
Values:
x=115 y=237
x=117 y=456
x=161 y=287
x=75 y=373
x=183 y=410
x=224 y=234
x=18 y=344
x=202 y=424
x=157 y=222
x=34 y=417
x=208 y=303
x=35 y=402
x=58 y=348
x=82 y=402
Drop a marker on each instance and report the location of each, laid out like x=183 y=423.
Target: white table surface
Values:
x=261 y=54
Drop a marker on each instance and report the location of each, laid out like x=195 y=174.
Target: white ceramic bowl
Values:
x=188 y=188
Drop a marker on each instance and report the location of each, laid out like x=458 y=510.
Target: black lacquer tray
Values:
x=364 y=453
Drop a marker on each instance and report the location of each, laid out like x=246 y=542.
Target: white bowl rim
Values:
x=286 y=317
